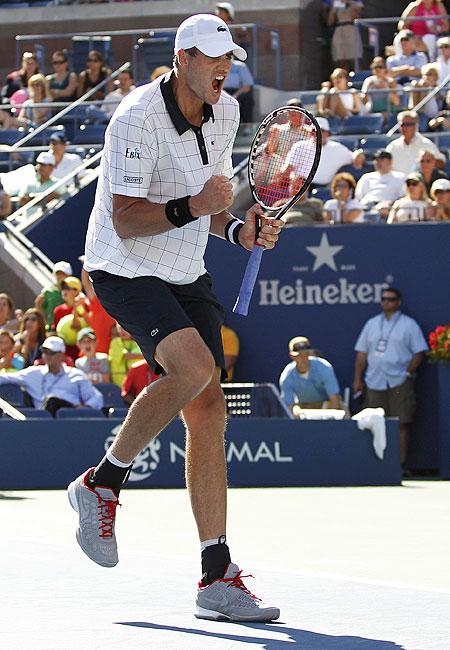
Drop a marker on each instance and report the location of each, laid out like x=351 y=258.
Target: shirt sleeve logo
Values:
x=133 y=180
x=133 y=153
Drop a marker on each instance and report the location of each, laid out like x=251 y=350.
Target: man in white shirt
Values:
x=405 y=149
x=64 y=162
x=55 y=385
x=383 y=184
x=334 y=156
x=443 y=61
x=113 y=99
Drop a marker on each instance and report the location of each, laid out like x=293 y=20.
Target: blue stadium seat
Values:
x=372 y=123
x=348 y=141
x=10 y=136
x=90 y=134
x=42 y=139
x=118 y=412
x=12 y=394
x=374 y=142
x=443 y=141
x=36 y=414
x=356 y=173
x=335 y=125
x=155 y=51
x=111 y=394
x=357 y=77
x=322 y=193
x=64 y=413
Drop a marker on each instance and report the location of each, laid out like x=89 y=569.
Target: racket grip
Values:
x=248 y=281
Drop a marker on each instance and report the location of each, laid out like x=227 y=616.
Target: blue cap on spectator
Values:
x=58 y=137
x=382 y=153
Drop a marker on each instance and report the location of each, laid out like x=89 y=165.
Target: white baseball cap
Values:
x=323 y=123
x=441 y=184
x=54 y=344
x=209 y=34
x=46 y=158
x=64 y=267
x=228 y=7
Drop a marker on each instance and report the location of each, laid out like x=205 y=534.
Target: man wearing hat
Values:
x=45 y=164
x=95 y=365
x=442 y=63
x=54 y=385
x=406 y=66
x=68 y=317
x=51 y=296
x=334 y=156
x=440 y=193
x=163 y=187
x=383 y=184
x=308 y=381
x=64 y=162
x=225 y=11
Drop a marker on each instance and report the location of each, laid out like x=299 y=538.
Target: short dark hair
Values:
x=129 y=72
x=397 y=292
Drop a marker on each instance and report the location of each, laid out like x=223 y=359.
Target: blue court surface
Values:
x=350 y=568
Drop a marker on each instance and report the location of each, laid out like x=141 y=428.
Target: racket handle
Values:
x=248 y=281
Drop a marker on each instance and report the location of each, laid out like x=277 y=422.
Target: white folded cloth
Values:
x=373 y=419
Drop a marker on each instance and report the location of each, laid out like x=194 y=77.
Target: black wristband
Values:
x=232 y=230
x=178 y=213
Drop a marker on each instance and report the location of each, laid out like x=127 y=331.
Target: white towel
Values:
x=373 y=419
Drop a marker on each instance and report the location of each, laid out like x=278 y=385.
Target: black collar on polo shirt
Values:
x=179 y=121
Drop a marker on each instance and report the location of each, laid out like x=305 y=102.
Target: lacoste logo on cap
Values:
x=221 y=29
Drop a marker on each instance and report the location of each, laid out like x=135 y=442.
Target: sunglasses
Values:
x=426 y=160
x=32 y=318
x=58 y=62
x=444 y=47
x=387 y=299
x=412 y=183
x=378 y=67
x=407 y=124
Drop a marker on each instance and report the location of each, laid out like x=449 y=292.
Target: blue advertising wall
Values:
x=260 y=452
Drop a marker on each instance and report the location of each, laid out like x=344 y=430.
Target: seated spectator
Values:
x=334 y=155
x=378 y=102
x=10 y=361
x=225 y=10
x=343 y=207
x=308 y=381
x=8 y=319
x=55 y=385
x=383 y=184
x=123 y=352
x=415 y=206
x=65 y=162
x=428 y=169
x=51 y=296
x=442 y=121
x=425 y=31
x=440 y=193
x=18 y=79
x=30 y=115
x=95 y=315
x=442 y=63
x=405 y=149
x=95 y=365
x=44 y=179
x=63 y=83
x=159 y=71
x=31 y=336
x=230 y=344
x=113 y=99
x=346 y=43
x=306 y=212
x=338 y=99
x=239 y=84
x=138 y=377
x=68 y=318
x=408 y=65
x=5 y=203
x=428 y=81
x=96 y=71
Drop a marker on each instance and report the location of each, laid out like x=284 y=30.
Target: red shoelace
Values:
x=106 y=515
x=236 y=581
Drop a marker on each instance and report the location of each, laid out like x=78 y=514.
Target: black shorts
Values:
x=150 y=309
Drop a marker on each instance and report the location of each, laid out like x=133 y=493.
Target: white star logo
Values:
x=324 y=253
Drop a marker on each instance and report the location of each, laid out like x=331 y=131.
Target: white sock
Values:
x=113 y=460
x=210 y=542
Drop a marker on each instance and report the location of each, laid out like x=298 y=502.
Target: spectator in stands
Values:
x=225 y=10
x=343 y=207
x=426 y=30
x=55 y=385
x=428 y=81
x=379 y=102
x=428 y=169
x=51 y=296
x=306 y=212
x=390 y=348
x=415 y=206
x=31 y=336
x=406 y=66
x=230 y=343
x=442 y=121
x=239 y=84
x=95 y=315
x=334 y=156
x=123 y=352
x=62 y=83
x=346 y=44
x=308 y=381
x=443 y=61
x=10 y=361
x=8 y=320
x=95 y=365
x=45 y=164
x=405 y=149
x=440 y=193
x=159 y=71
x=18 y=79
x=5 y=203
x=383 y=184
x=338 y=99
x=138 y=377
x=30 y=115
x=113 y=99
x=65 y=162
x=68 y=318
x=96 y=71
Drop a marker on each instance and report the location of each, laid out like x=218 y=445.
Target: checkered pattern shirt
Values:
x=152 y=152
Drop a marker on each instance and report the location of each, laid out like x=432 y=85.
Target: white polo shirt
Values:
x=152 y=152
x=374 y=187
x=334 y=156
x=405 y=156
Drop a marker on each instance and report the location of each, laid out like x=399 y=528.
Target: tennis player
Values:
x=163 y=187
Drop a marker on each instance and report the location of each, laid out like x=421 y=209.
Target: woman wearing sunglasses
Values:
x=343 y=207
x=380 y=102
x=96 y=71
x=415 y=205
x=63 y=83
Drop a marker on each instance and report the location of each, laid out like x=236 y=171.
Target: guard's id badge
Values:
x=381 y=347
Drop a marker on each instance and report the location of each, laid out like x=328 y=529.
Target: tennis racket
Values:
x=282 y=162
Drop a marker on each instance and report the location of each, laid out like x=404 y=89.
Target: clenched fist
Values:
x=216 y=196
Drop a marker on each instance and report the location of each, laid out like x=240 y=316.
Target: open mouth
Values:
x=217 y=83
